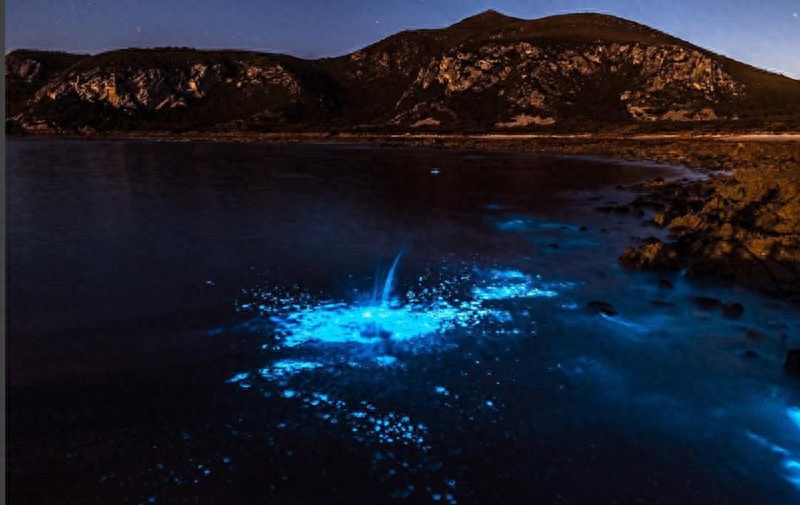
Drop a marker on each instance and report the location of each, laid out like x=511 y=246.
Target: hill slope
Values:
x=487 y=72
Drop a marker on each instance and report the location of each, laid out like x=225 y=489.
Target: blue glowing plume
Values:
x=388 y=285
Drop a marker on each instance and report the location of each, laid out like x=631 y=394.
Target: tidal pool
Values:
x=220 y=323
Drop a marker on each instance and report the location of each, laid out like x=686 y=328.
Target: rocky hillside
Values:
x=488 y=72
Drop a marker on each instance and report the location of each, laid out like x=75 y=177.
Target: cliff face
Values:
x=534 y=84
x=487 y=72
x=28 y=71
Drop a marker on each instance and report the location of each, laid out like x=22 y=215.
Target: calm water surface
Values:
x=212 y=323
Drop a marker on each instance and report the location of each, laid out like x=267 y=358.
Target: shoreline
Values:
x=741 y=224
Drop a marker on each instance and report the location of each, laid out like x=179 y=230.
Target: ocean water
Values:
x=223 y=323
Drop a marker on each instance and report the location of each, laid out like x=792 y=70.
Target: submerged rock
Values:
x=733 y=309
x=706 y=302
x=602 y=307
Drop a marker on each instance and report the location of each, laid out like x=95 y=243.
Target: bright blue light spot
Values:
x=522 y=290
x=489 y=403
x=287 y=367
x=289 y=393
x=792 y=468
x=513 y=225
x=386 y=360
x=435 y=171
x=507 y=275
x=794 y=415
x=238 y=378
x=766 y=443
x=442 y=391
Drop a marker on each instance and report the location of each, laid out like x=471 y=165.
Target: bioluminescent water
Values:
x=427 y=310
x=211 y=323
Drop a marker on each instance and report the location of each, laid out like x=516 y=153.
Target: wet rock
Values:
x=602 y=307
x=621 y=209
x=792 y=363
x=657 y=182
x=582 y=228
x=750 y=354
x=552 y=246
x=732 y=309
x=652 y=254
x=665 y=284
x=647 y=203
x=706 y=302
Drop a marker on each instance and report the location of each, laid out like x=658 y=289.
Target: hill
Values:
x=489 y=72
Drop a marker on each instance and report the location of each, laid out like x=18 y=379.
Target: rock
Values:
x=733 y=309
x=706 y=302
x=792 y=363
x=552 y=246
x=750 y=354
x=657 y=182
x=602 y=307
x=652 y=254
x=665 y=284
x=582 y=228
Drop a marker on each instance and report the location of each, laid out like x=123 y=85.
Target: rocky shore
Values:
x=741 y=225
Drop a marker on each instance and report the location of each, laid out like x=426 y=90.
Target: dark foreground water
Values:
x=236 y=324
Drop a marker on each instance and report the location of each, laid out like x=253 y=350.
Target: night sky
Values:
x=765 y=33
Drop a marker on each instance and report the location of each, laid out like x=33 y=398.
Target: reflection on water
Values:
x=209 y=325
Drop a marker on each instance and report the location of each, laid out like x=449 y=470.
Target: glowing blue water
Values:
x=339 y=338
x=456 y=303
